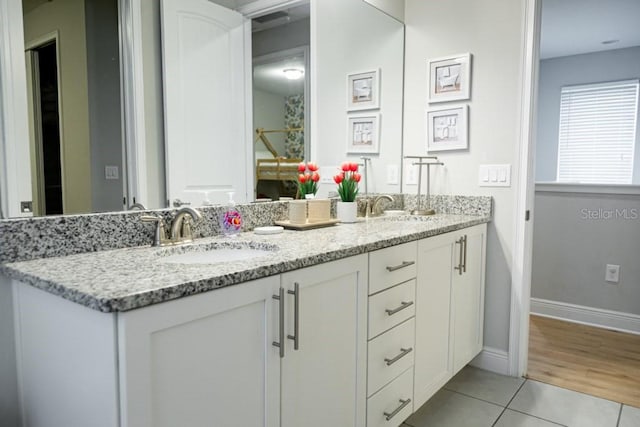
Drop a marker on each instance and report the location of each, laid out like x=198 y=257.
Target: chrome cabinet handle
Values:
x=402 y=307
x=460 y=256
x=403 y=404
x=296 y=315
x=464 y=263
x=403 y=265
x=403 y=353
x=280 y=299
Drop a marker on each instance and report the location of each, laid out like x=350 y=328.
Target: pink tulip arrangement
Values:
x=307 y=179
x=347 y=181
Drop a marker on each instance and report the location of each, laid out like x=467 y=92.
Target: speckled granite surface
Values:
x=43 y=237
x=125 y=279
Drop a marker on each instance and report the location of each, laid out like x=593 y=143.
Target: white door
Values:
x=324 y=380
x=468 y=296
x=204 y=360
x=206 y=56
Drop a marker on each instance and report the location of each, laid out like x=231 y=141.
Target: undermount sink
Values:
x=216 y=252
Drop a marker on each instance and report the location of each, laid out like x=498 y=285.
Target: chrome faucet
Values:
x=181 y=225
x=372 y=209
x=180 y=231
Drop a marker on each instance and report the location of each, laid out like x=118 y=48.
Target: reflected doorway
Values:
x=280 y=100
x=46 y=126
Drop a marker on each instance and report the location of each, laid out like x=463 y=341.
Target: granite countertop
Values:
x=126 y=279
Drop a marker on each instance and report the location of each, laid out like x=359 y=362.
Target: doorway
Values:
x=586 y=234
x=46 y=128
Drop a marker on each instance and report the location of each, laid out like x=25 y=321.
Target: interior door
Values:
x=206 y=56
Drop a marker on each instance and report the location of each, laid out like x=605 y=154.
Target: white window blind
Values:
x=598 y=133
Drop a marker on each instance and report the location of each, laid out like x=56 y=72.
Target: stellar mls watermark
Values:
x=610 y=214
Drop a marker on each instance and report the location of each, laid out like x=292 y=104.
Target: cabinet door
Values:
x=468 y=296
x=324 y=380
x=204 y=360
x=433 y=296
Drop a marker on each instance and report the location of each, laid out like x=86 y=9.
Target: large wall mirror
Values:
x=78 y=156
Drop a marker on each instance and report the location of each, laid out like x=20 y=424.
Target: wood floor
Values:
x=590 y=360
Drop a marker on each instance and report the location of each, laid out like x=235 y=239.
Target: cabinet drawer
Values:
x=391 y=307
x=390 y=354
x=395 y=402
x=390 y=266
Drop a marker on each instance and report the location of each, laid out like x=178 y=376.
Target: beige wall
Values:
x=492 y=30
x=67 y=17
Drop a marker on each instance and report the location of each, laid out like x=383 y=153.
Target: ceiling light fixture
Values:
x=293 y=73
x=612 y=41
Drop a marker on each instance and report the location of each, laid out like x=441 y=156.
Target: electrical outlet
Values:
x=613 y=273
x=392 y=174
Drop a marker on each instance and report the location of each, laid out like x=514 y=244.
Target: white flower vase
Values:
x=347 y=211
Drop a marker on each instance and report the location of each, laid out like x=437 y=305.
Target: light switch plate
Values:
x=392 y=174
x=494 y=176
x=111 y=172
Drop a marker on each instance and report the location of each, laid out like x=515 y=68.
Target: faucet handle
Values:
x=160 y=236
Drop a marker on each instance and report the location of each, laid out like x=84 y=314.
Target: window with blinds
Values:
x=598 y=133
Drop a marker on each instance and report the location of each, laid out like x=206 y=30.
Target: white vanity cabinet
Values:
x=210 y=359
x=203 y=360
x=361 y=341
x=449 y=307
x=324 y=379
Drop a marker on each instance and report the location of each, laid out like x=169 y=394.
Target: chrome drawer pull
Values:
x=402 y=307
x=296 y=316
x=403 y=265
x=403 y=404
x=280 y=344
x=403 y=353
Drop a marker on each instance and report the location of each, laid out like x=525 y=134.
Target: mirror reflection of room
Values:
x=73 y=89
x=280 y=100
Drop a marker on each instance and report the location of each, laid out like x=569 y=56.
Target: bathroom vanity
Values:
x=352 y=325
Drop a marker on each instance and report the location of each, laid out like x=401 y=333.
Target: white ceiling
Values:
x=572 y=27
x=269 y=77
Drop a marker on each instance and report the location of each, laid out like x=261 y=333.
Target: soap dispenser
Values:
x=230 y=219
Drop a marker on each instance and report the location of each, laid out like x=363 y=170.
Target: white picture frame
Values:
x=363 y=90
x=363 y=133
x=450 y=78
x=447 y=128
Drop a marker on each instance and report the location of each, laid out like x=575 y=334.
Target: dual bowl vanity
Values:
x=350 y=325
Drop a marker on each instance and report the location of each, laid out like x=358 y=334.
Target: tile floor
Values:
x=478 y=398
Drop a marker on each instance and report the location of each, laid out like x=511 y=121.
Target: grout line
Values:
x=619 y=415
x=476 y=398
x=509 y=402
x=535 y=416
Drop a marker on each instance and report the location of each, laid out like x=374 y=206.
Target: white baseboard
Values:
x=607 y=319
x=492 y=359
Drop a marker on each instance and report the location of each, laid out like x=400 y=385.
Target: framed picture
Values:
x=450 y=78
x=447 y=129
x=363 y=134
x=363 y=91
